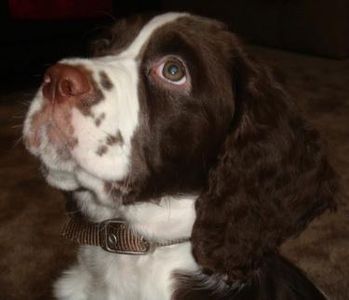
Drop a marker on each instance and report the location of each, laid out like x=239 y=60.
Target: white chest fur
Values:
x=103 y=275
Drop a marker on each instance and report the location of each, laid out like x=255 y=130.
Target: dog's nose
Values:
x=62 y=82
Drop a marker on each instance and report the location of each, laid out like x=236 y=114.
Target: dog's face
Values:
x=147 y=113
x=174 y=105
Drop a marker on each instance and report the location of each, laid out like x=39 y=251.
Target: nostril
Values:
x=67 y=88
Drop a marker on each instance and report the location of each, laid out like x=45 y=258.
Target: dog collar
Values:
x=113 y=235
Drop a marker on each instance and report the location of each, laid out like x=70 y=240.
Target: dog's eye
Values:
x=172 y=70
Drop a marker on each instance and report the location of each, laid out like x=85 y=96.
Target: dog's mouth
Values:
x=49 y=135
x=51 y=126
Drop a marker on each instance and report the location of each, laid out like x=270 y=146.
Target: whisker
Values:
x=70 y=212
x=17 y=117
x=25 y=103
x=16 y=143
x=17 y=126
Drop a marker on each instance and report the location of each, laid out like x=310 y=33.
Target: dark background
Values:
x=28 y=43
x=306 y=42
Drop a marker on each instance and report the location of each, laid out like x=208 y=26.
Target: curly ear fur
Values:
x=270 y=181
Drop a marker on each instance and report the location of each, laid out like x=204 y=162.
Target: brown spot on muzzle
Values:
x=103 y=149
x=54 y=122
x=105 y=81
x=115 y=139
x=99 y=119
x=92 y=98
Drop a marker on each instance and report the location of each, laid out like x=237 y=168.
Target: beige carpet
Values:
x=31 y=213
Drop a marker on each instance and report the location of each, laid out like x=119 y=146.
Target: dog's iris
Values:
x=173 y=70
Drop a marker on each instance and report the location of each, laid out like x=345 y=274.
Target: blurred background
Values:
x=305 y=41
x=35 y=33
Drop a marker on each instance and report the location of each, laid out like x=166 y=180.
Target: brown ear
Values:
x=270 y=181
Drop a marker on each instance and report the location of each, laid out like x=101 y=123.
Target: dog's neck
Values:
x=169 y=218
x=165 y=219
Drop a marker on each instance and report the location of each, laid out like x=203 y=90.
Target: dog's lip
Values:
x=53 y=132
x=52 y=122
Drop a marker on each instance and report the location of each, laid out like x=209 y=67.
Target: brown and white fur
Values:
x=220 y=155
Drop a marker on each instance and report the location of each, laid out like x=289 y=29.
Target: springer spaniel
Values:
x=173 y=130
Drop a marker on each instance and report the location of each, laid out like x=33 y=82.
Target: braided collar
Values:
x=113 y=235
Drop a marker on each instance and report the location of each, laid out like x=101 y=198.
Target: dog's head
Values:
x=173 y=105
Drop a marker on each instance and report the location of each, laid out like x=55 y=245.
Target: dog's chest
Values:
x=109 y=276
x=146 y=277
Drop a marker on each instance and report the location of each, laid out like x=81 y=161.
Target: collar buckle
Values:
x=117 y=237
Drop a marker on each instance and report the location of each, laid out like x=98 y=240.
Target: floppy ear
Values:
x=271 y=178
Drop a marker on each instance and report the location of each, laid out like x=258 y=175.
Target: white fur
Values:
x=120 y=108
x=98 y=274
x=35 y=107
x=103 y=275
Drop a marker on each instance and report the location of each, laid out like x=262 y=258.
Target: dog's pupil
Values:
x=173 y=71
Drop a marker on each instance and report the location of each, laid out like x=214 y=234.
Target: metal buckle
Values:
x=110 y=239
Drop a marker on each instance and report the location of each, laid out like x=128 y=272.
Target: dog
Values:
x=187 y=164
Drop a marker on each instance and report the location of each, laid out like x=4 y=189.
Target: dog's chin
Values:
x=60 y=179
x=63 y=170
x=106 y=193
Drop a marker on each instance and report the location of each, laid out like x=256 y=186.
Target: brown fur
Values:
x=271 y=179
x=105 y=81
x=237 y=139
x=114 y=139
x=114 y=39
x=93 y=97
x=319 y=87
x=32 y=254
